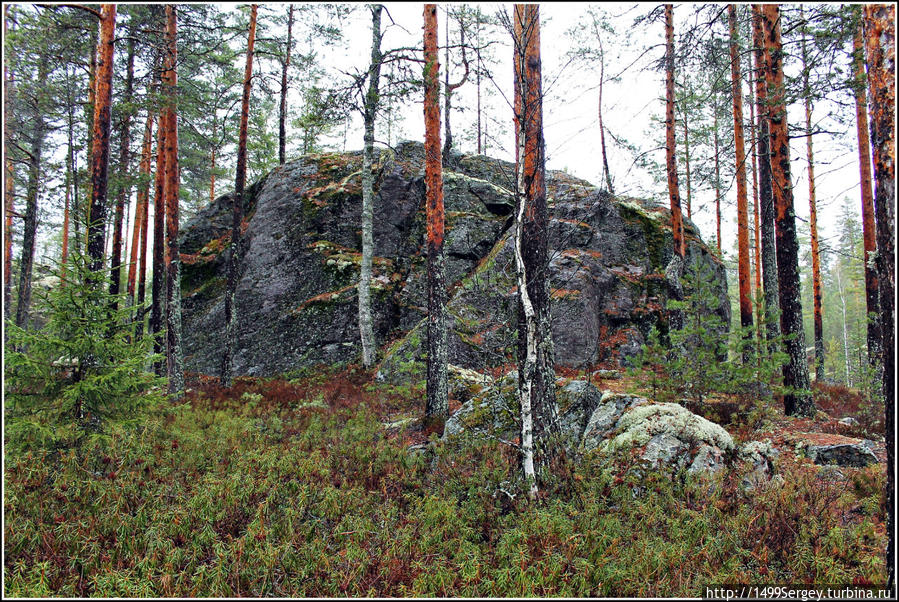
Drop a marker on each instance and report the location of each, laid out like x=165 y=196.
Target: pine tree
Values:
x=798 y=398
x=237 y=211
x=437 y=407
x=675 y=270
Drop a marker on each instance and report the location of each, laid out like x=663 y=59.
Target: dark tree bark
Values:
x=9 y=178
x=237 y=210
x=872 y=300
x=755 y=209
x=717 y=173
x=450 y=88
x=880 y=42
x=159 y=262
x=26 y=264
x=536 y=382
x=798 y=400
x=687 y=167
x=124 y=168
x=766 y=195
x=675 y=270
x=437 y=406
x=742 y=196
x=96 y=239
x=282 y=115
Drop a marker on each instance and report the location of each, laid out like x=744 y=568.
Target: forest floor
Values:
x=305 y=488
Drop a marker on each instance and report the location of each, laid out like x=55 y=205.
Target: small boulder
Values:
x=846 y=454
x=606 y=414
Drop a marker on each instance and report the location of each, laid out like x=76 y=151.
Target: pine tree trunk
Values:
x=124 y=168
x=602 y=129
x=813 y=217
x=537 y=367
x=798 y=400
x=282 y=114
x=26 y=264
x=717 y=174
x=675 y=269
x=159 y=265
x=437 y=406
x=755 y=212
x=766 y=195
x=140 y=211
x=237 y=212
x=174 y=348
x=366 y=330
x=880 y=37
x=872 y=300
x=740 y=156
x=100 y=140
x=478 y=84
x=8 y=184
x=450 y=88
x=212 y=161
x=687 y=168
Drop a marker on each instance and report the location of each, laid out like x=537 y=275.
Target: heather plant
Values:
x=81 y=371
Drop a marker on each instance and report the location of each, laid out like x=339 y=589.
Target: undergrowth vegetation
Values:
x=298 y=489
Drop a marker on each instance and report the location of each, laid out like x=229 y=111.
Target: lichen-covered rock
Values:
x=604 y=417
x=844 y=454
x=301 y=245
x=637 y=426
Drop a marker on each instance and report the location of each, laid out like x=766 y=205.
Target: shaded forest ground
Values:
x=304 y=488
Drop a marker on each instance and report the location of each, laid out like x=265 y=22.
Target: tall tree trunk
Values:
x=140 y=212
x=841 y=289
x=798 y=399
x=124 y=168
x=872 y=300
x=766 y=194
x=740 y=156
x=282 y=114
x=237 y=211
x=26 y=264
x=755 y=211
x=717 y=173
x=159 y=262
x=450 y=88
x=366 y=331
x=536 y=384
x=212 y=161
x=880 y=35
x=477 y=74
x=687 y=167
x=437 y=407
x=9 y=176
x=675 y=270
x=602 y=129
x=100 y=141
x=813 y=215
x=174 y=349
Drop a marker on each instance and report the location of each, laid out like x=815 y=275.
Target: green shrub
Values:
x=81 y=370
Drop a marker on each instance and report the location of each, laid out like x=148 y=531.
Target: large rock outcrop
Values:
x=296 y=297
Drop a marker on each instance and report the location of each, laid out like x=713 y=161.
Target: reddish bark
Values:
x=677 y=223
x=140 y=212
x=766 y=198
x=436 y=408
x=798 y=399
x=742 y=211
x=533 y=230
x=124 y=167
x=100 y=157
x=174 y=352
x=867 y=196
x=717 y=176
x=880 y=42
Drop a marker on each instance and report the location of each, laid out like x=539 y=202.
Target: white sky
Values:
x=570 y=110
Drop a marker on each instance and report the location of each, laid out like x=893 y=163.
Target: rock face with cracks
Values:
x=296 y=297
